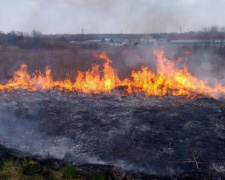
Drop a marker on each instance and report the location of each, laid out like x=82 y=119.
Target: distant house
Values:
x=107 y=40
x=118 y=42
x=113 y=42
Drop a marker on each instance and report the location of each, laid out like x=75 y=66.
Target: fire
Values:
x=168 y=80
x=171 y=80
x=91 y=81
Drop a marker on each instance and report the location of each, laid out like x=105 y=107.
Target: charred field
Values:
x=162 y=136
x=140 y=136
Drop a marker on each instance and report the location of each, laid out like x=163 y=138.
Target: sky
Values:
x=110 y=16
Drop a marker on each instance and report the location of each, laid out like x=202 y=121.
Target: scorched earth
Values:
x=155 y=135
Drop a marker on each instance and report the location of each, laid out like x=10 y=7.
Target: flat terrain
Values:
x=67 y=62
x=154 y=135
x=162 y=136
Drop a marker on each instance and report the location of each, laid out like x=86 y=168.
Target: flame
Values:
x=168 y=80
x=91 y=81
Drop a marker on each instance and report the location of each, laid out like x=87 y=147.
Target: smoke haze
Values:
x=110 y=16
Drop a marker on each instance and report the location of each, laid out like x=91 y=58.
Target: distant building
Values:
x=196 y=42
x=200 y=40
x=161 y=42
x=107 y=40
x=118 y=42
x=147 y=40
x=114 y=42
x=132 y=42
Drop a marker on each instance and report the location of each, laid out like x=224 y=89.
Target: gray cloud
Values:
x=105 y=16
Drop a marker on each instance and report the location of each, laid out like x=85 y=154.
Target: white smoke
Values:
x=108 y=16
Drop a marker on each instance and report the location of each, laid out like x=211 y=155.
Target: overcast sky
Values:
x=110 y=16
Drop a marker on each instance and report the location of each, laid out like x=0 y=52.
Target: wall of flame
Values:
x=168 y=80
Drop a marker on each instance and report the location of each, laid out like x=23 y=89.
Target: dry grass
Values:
x=13 y=170
x=28 y=169
x=65 y=62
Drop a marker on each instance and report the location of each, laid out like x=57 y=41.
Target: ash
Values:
x=154 y=135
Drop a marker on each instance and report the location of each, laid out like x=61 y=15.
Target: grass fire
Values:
x=112 y=90
x=168 y=80
x=156 y=116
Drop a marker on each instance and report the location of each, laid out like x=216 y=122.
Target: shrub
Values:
x=55 y=175
x=11 y=170
x=98 y=177
x=69 y=172
x=30 y=167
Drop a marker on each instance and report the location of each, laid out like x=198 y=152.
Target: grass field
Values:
x=66 y=62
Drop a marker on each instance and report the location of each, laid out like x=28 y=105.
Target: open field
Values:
x=63 y=62
x=67 y=62
x=160 y=136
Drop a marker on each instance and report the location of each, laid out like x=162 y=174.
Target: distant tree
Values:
x=2 y=38
x=217 y=35
x=36 y=34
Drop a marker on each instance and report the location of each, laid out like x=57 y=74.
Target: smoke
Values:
x=81 y=138
x=203 y=64
x=107 y=16
x=22 y=134
x=207 y=66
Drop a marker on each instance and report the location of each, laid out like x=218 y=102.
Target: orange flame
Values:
x=169 y=80
x=91 y=81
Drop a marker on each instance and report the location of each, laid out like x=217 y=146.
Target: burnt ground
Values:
x=160 y=136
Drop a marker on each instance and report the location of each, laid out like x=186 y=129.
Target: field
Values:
x=158 y=136
x=63 y=62
x=67 y=62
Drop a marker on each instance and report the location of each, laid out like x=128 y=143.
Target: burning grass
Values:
x=150 y=134
x=168 y=80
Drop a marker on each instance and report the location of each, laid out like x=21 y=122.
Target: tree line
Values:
x=32 y=41
x=36 y=39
